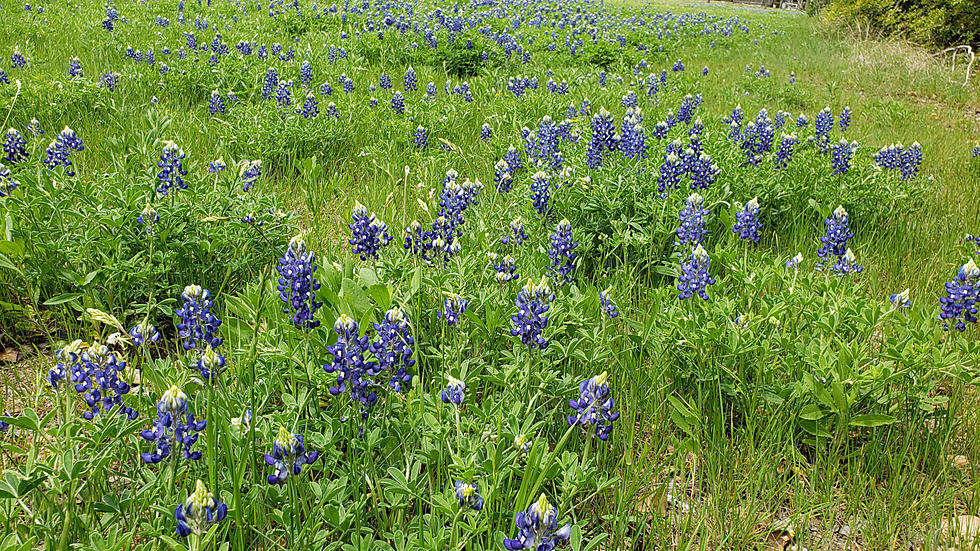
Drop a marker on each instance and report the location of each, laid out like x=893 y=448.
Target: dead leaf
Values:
x=9 y=355
x=961 y=462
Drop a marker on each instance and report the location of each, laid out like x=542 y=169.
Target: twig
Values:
x=955 y=50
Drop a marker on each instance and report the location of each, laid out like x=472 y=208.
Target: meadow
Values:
x=496 y=274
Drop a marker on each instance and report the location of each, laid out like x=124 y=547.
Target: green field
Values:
x=339 y=234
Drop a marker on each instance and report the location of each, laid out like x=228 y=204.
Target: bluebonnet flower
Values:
x=785 y=152
x=758 y=137
x=411 y=80
x=845 y=119
x=502 y=178
x=700 y=167
x=837 y=235
x=486 y=132
x=59 y=151
x=310 y=107
x=975 y=240
x=109 y=81
x=3 y=77
x=283 y=95
x=393 y=348
x=271 y=83
x=842 y=153
x=95 y=374
x=513 y=159
x=540 y=192
x=900 y=300
x=421 y=138
x=780 y=119
x=454 y=393
x=533 y=303
x=562 y=252
x=608 y=307
x=795 y=261
x=385 y=81
x=453 y=306
x=734 y=122
x=144 y=333
x=216 y=103
x=747 y=224
x=197 y=323
x=217 y=166
x=802 y=121
x=7 y=182
x=632 y=140
x=169 y=431
x=962 y=295
x=517 y=236
x=398 y=103
x=847 y=264
x=74 y=68
x=506 y=269
x=685 y=113
x=198 y=512
x=792 y=78
x=822 y=126
x=594 y=407
x=694 y=277
x=538 y=528
x=431 y=90
x=976 y=151
x=306 y=73
x=13 y=147
x=297 y=284
x=346 y=82
x=4 y=426
x=171 y=168
x=692 y=229
x=678 y=66
x=17 y=59
x=368 y=234
x=704 y=72
x=331 y=111
x=603 y=138
x=671 y=172
x=250 y=172
x=896 y=156
x=326 y=89
x=354 y=372
x=468 y=495
x=288 y=456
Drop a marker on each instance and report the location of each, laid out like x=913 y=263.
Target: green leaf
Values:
x=871 y=420
x=61 y=299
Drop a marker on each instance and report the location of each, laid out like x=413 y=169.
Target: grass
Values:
x=793 y=407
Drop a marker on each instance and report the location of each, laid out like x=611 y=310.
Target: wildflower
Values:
x=517 y=235
x=368 y=234
x=7 y=182
x=144 y=332
x=283 y=95
x=198 y=512
x=486 y=132
x=331 y=111
x=785 y=152
x=310 y=108
x=411 y=80
x=747 y=224
x=171 y=168
x=168 y=430
x=801 y=121
x=538 y=528
x=454 y=391
x=398 y=103
x=561 y=252
x=842 y=153
x=216 y=103
x=837 y=235
x=393 y=348
x=306 y=73
x=197 y=323
x=454 y=306
x=502 y=177
x=822 y=126
x=847 y=264
x=671 y=172
x=607 y=304
x=468 y=495
x=540 y=192
x=962 y=295
x=694 y=277
x=845 y=118
x=900 y=300
x=288 y=456
x=250 y=172
x=533 y=303
x=297 y=285
x=421 y=138
x=795 y=261
x=242 y=425
x=692 y=229
x=217 y=166
x=506 y=269
x=14 y=147
x=17 y=59
x=594 y=406
x=354 y=371
x=95 y=372
x=271 y=83
x=59 y=151
x=522 y=443
x=603 y=138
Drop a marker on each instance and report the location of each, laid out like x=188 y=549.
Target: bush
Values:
x=932 y=22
